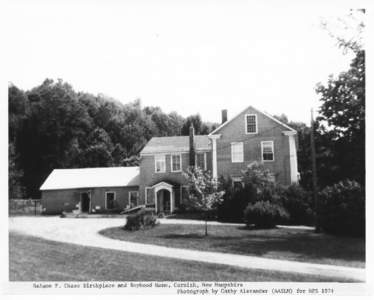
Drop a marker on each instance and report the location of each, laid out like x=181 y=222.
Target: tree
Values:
x=341 y=124
x=199 y=126
x=54 y=118
x=203 y=190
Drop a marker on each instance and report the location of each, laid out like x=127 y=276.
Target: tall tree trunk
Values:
x=206 y=224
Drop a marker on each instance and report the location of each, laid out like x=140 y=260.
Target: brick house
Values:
x=250 y=136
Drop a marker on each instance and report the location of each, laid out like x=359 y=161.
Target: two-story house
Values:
x=250 y=136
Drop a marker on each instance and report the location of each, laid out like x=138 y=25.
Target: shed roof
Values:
x=91 y=177
x=175 y=144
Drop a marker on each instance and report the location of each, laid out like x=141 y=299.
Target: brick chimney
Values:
x=192 y=146
x=224 y=115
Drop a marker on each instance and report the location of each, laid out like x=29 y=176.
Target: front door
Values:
x=163 y=201
x=166 y=201
x=85 y=202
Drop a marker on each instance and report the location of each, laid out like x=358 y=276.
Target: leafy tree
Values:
x=199 y=126
x=341 y=123
x=204 y=192
x=54 y=118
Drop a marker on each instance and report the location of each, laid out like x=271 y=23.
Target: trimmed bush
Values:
x=143 y=219
x=298 y=203
x=264 y=214
x=342 y=209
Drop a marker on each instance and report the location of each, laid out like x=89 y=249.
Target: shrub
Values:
x=143 y=219
x=342 y=209
x=234 y=202
x=298 y=203
x=264 y=214
x=258 y=184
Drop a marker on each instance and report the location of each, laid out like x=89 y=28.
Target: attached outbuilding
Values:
x=90 y=190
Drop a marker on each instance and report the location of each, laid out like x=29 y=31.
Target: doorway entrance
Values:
x=85 y=202
x=163 y=201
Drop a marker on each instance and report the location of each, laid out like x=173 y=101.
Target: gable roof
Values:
x=91 y=177
x=168 y=144
x=285 y=126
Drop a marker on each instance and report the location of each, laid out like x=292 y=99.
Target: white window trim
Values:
x=158 y=158
x=232 y=152
x=106 y=198
x=129 y=198
x=205 y=164
x=171 y=162
x=246 y=125
x=262 y=151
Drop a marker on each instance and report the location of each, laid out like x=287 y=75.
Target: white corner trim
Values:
x=289 y=133
x=293 y=159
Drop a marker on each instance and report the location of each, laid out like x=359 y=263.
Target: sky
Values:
x=184 y=56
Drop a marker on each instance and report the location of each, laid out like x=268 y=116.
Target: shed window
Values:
x=267 y=149
x=160 y=164
x=237 y=152
x=133 y=198
x=251 y=123
x=176 y=163
x=110 y=197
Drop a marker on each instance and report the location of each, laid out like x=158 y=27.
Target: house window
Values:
x=160 y=164
x=133 y=198
x=176 y=163
x=149 y=198
x=237 y=152
x=267 y=151
x=110 y=197
x=251 y=124
x=200 y=159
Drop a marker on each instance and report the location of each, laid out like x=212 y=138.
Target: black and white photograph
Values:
x=185 y=147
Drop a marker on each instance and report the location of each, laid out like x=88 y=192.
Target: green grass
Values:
x=35 y=259
x=288 y=244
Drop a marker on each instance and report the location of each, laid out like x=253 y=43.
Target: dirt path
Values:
x=85 y=232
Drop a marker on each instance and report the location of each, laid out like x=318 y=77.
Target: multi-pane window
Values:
x=160 y=164
x=149 y=196
x=200 y=160
x=176 y=163
x=251 y=123
x=133 y=198
x=110 y=197
x=237 y=152
x=267 y=150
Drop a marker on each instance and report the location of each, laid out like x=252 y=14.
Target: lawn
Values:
x=35 y=259
x=280 y=243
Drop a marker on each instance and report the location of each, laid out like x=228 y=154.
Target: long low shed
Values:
x=90 y=190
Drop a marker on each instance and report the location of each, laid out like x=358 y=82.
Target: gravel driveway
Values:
x=85 y=232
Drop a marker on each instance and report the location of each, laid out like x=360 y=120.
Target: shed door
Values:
x=85 y=202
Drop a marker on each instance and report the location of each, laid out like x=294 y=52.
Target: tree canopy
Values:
x=53 y=126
